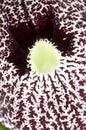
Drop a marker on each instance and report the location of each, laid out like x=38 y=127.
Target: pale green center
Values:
x=44 y=57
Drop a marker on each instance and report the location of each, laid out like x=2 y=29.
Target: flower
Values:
x=42 y=102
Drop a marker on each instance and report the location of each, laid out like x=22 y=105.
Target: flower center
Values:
x=44 y=57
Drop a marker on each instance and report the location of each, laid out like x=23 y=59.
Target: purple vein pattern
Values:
x=52 y=102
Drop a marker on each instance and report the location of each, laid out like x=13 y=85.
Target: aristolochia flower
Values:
x=43 y=64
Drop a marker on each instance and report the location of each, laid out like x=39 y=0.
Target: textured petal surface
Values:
x=29 y=101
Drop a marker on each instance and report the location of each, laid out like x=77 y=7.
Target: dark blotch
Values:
x=25 y=35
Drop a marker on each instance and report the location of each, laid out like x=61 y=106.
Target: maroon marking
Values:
x=54 y=126
x=82 y=94
x=33 y=124
x=26 y=127
x=42 y=105
x=43 y=123
x=32 y=113
x=20 y=93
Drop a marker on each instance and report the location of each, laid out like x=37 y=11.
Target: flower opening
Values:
x=44 y=57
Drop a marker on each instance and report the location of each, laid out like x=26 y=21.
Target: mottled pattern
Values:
x=51 y=102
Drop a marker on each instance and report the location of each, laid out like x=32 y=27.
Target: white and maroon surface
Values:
x=53 y=102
